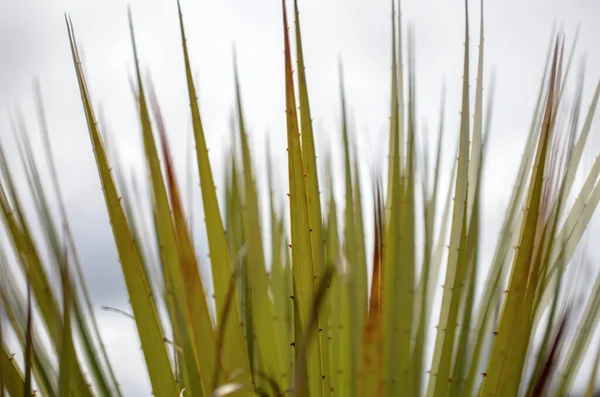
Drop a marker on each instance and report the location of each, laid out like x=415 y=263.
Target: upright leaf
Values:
x=235 y=352
x=264 y=327
x=313 y=194
x=149 y=330
x=440 y=373
x=302 y=263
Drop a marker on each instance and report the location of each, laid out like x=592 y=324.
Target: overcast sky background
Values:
x=34 y=43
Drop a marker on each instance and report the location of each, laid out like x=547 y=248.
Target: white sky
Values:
x=33 y=42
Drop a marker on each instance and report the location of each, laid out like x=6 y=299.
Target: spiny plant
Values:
x=325 y=320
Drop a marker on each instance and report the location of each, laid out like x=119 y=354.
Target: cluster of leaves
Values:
x=325 y=320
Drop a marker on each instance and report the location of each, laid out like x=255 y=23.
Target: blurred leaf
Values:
x=11 y=375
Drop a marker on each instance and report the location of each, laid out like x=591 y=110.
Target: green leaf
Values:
x=507 y=356
x=27 y=387
x=235 y=352
x=150 y=332
x=64 y=382
x=371 y=365
x=11 y=375
x=198 y=315
x=313 y=200
x=302 y=262
x=264 y=328
x=355 y=280
x=441 y=367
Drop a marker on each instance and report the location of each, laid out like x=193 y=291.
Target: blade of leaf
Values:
x=504 y=352
x=371 y=365
x=27 y=387
x=11 y=375
x=440 y=373
x=313 y=200
x=95 y=333
x=29 y=259
x=150 y=332
x=236 y=353
x=264 y=330
x=198 y=314
x=302 y=263
x=64 y=382
x=429 y=215
x=357 y=278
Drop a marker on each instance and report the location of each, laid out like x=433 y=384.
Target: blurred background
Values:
x=34 y=46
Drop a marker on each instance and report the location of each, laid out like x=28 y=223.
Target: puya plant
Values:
x=325 y=320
